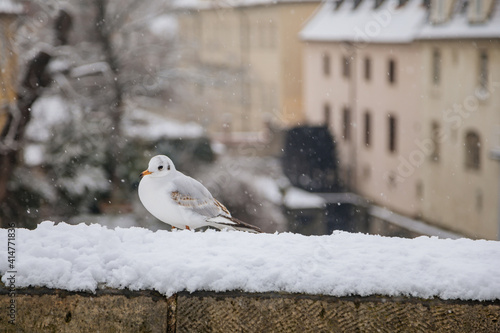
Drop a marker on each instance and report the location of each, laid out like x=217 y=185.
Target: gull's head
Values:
x=159 y=166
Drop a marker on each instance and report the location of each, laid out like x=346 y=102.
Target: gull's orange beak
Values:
x=145 y=172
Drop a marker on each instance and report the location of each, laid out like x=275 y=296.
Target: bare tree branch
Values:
x=12 y=136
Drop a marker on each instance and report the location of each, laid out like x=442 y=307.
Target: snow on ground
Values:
x=165 y=26
x=144 y=124
x=10 y=7
x=296 y=198
x=87 y=257
x=46 y=112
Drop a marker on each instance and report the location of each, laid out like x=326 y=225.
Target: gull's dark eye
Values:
x=160 y=167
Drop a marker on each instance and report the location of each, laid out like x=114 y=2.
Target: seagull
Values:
x=181 y=201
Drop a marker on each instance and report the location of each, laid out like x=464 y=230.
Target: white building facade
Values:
x=386 y=76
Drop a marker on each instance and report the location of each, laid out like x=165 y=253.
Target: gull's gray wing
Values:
x=192 y=195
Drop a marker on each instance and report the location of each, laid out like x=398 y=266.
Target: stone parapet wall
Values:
x=48 y=310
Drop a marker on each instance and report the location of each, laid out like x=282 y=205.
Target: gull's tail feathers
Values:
x=225 y=222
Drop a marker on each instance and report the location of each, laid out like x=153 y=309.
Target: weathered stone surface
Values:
x=65 y=312
x=46 y=310
x=237 y=312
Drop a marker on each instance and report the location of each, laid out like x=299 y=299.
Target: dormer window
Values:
x=476 y=11
x=479 y=6
x=440 y=17
x=441 y=10
x=479 y=10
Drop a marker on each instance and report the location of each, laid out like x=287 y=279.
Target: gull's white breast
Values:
x=155 y=195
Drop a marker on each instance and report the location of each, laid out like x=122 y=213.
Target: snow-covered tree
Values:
x=117 y=52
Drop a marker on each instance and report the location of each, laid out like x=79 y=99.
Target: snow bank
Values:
x=296 y=198
x=165 y=26
x=46 y=112
x=10 y=7
x=143 y=124
x=84 y=257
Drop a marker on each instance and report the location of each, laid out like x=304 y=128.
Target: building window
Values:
x=479 y=200
x=368 y=68
x=273 y=35
x=440 y=10
x=267 y=34
x=367 y=171
x=347 y=124
x=326 y=64
x=327 y=112
x=435 y=131
x=479 y=7
x=391 y=71
x=392 y=133
x=436 y=67
x=483 y=70
x=419 y=189
x=477 y=14
x=368 y=129
x=472 y=151
x=346 y=67
x=262 y=34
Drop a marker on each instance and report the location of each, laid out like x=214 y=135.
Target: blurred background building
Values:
x=410 y=89
x=248 y=60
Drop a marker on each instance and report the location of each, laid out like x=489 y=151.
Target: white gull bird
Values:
x=181 y=201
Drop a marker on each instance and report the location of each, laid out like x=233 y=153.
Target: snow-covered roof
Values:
x=385 y=24
x=10 y=7
x=459 y=27
x=87 y=257
x=392 y=23
x=208 y=4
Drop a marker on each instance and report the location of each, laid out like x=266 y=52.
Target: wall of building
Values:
x=455 y=196
x=48 y=310
x=292 y=17
x=378 y=169
x=439 y=97
x=247 y=65
x=374 y=169
x=328 y=93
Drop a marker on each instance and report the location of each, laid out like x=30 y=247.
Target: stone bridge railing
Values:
x=111 y=310
x=88 y=278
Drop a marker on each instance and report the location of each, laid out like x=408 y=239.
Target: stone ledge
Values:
x=109 y=310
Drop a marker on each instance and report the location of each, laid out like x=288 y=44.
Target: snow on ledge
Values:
x=295 y=198
x=86 y=257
